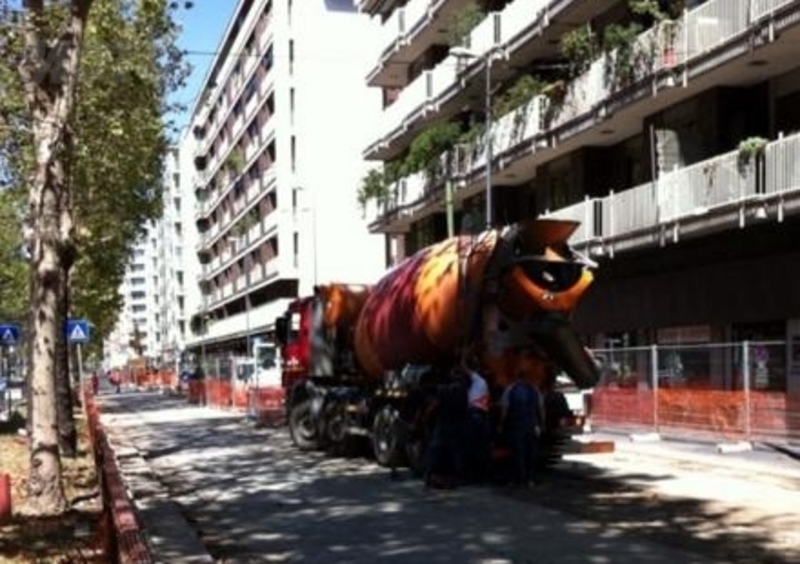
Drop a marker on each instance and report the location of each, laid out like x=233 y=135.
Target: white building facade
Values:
x=672 y=136
x=277 y=134
x=154 y=314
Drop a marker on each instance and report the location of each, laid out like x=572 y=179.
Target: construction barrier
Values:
x=267 y=406
x=120 y=535
x=727 y=392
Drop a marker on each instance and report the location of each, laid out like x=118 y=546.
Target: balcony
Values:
x=524 y=31
x=374 y=7
x=714 y=195
x=710 y=196
x=554 y=128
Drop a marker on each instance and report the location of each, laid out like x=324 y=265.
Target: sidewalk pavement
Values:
x=169 y=534
x=173 y=539
x=764 y=462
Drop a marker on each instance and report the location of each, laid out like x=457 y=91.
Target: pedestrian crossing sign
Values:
x=77 y=331
x=9 y=335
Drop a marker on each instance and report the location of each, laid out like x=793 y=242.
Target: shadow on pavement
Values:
x=252 y=497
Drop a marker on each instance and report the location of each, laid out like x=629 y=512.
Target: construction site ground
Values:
x=214 y=488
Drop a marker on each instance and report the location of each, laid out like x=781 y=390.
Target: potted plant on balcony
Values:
x=751 y=150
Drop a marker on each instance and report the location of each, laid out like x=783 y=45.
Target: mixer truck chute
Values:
x=505 y=296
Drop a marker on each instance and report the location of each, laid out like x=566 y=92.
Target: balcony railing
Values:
x=699 y=31
x=693 y=193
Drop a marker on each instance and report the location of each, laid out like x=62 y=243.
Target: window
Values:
x=266 y=60
x=293 y=151
x=250 y=90
x=291 y=105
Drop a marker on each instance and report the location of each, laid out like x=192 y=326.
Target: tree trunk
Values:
x=49 y=74
x=67 y=434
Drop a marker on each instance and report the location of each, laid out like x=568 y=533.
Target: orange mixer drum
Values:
x=505 y=294
x=415 y=313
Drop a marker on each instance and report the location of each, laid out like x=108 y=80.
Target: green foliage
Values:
x=750 y=149
x=579 y=47
x=130 y=63
x=653 y=8
x=623 y=57
x=374 y=186
x=519 y=94
x=13 y=266
x=235 y=162
x=462 y=23
x=428 y=146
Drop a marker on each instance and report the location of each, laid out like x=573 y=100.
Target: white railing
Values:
x=691 y=192
x=761 y=8
x=256 y=274
x=415 y=10
x=518 y=15
x=782 y=165
x=486 y=35
x=715 y=22
x=443 y=76
x=696 y=189
x=412 y=98
x=227 y=290
x=392 y=31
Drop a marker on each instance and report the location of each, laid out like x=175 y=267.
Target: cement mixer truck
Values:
x=357 y=358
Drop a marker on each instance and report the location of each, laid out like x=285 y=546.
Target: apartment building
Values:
x=136 y=334
x=669 y=129
x=153 y=321
x=277 y=134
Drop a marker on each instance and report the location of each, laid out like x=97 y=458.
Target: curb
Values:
x=170 y=537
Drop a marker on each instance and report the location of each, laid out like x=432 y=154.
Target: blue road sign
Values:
x=9 y=334
x=77 y=331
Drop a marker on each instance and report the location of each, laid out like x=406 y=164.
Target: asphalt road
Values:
x=252 y=497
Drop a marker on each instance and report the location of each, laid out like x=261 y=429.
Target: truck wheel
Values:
x=337 y=440
x=302 y=426
x=385 y=442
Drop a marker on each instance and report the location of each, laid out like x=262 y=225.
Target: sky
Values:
x=202 y=27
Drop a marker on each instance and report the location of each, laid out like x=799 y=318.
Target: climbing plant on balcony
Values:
x=426 y=149
x=462 y=23
x=579 y=48
x=519 y=94
x=374 y=186
x=624 y=57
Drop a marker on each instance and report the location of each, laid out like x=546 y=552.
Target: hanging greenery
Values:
x=428 y=146
x=374 y=186
x=519 y=94
x=658 y=10
x=462 y=23
x=579 y=47
x=623 y=57
x=750 y=149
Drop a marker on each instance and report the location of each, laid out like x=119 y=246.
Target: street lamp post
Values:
x=465 y=53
